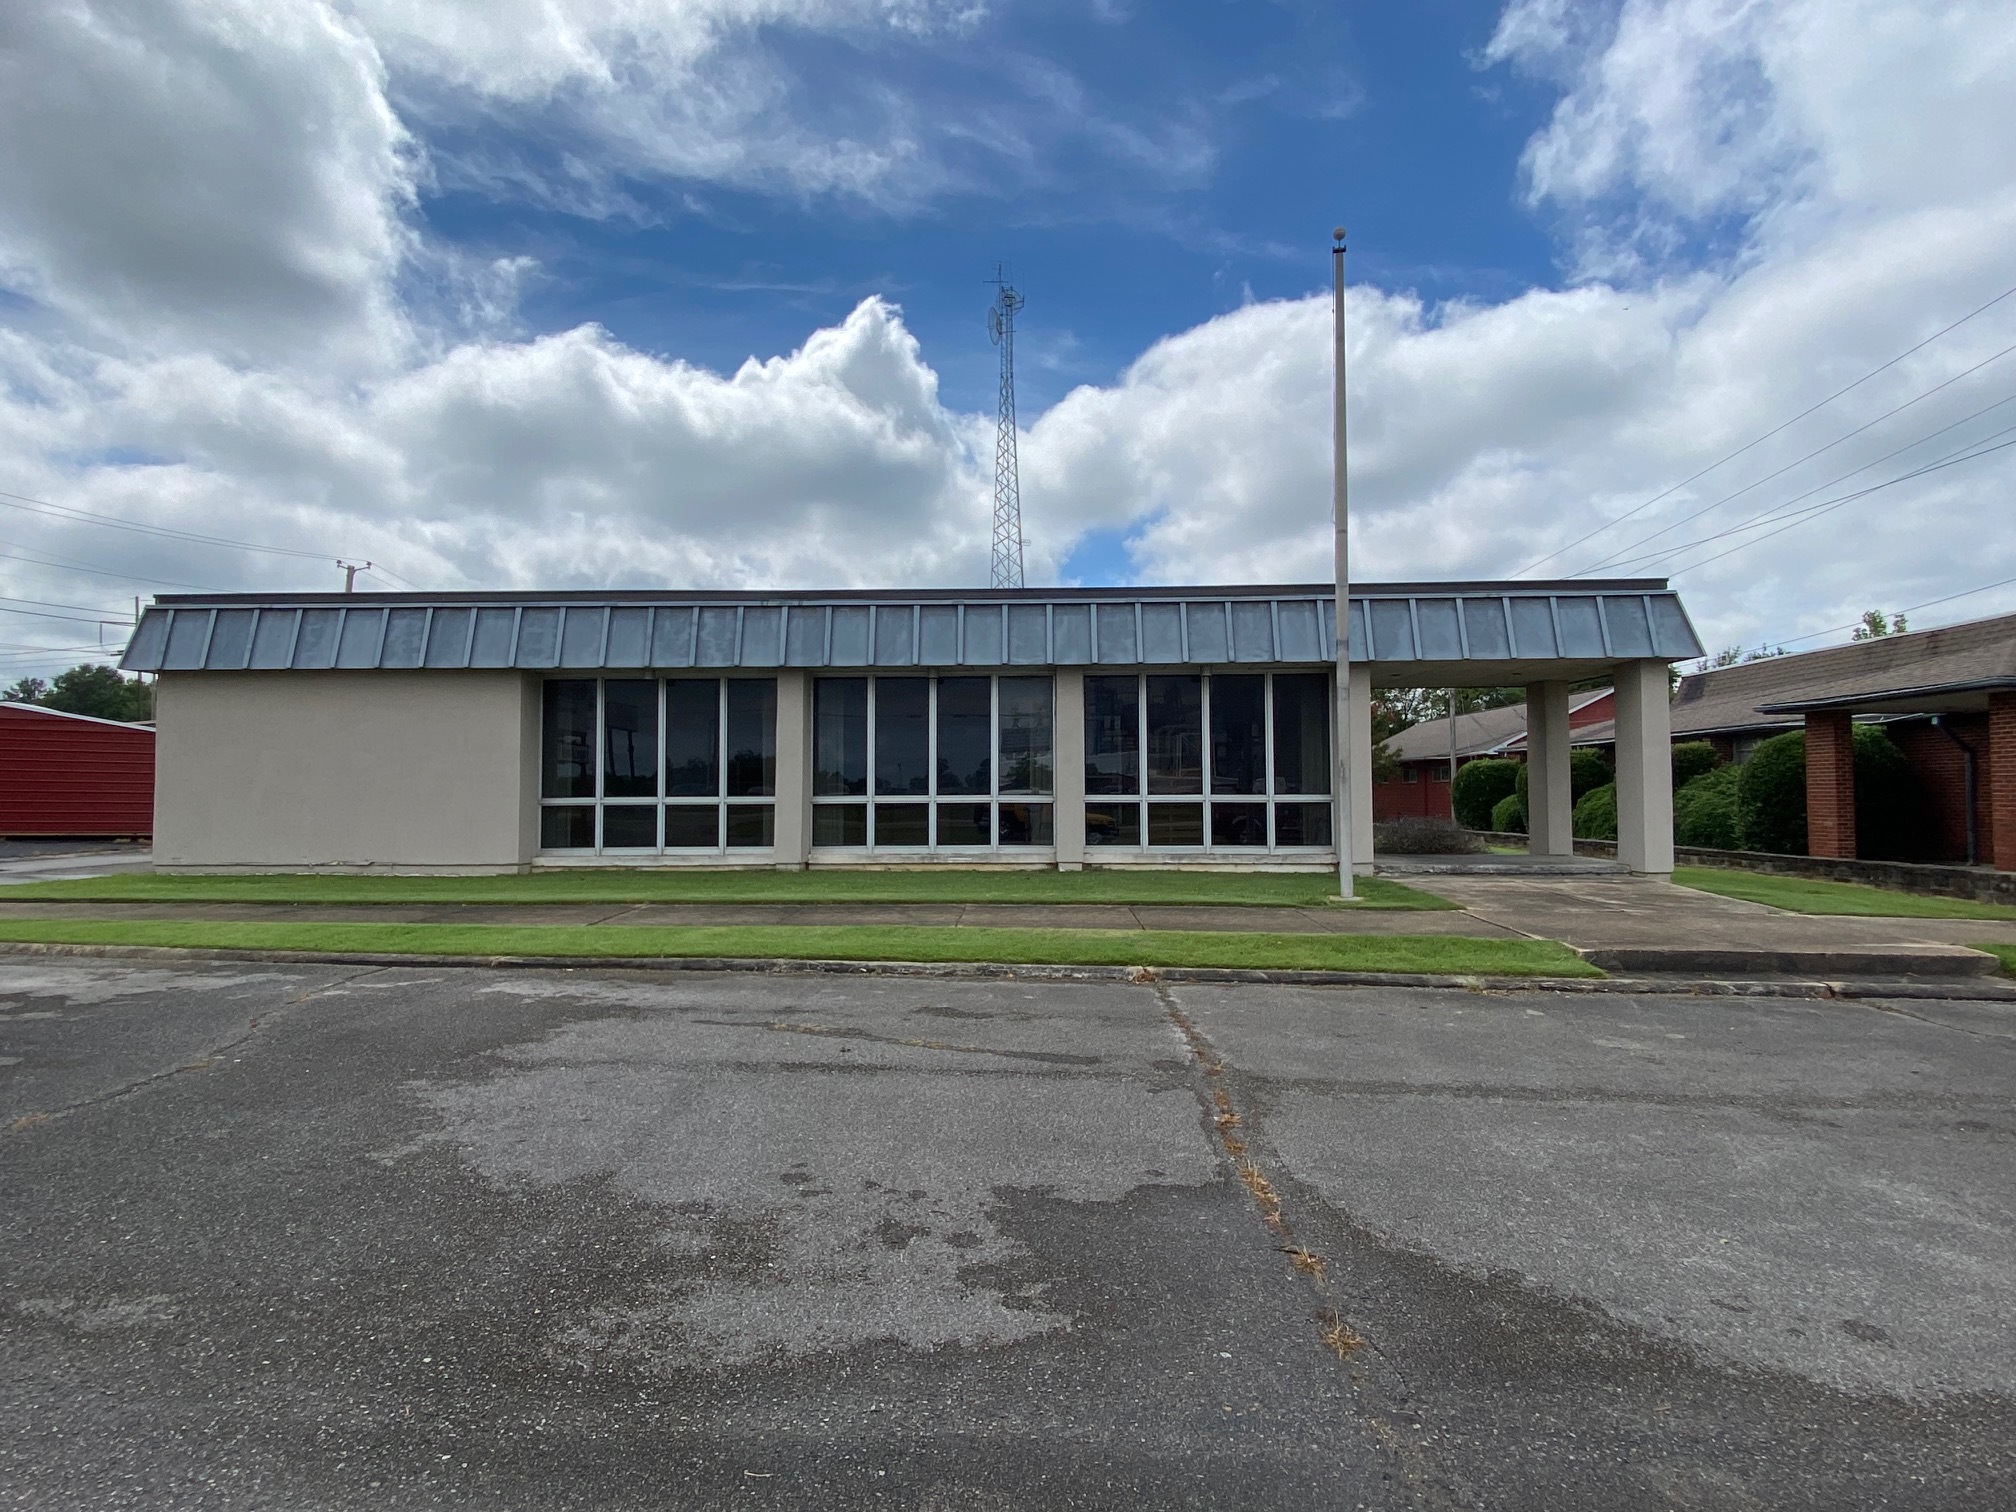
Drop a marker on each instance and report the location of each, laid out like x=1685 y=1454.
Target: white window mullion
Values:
x=601 y=736
x=868 y=781
x=1267 y=748
x=931 y=763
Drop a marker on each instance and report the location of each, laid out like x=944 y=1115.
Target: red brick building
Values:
x=1420 y=788
x=1946 y=697
x=69 y=774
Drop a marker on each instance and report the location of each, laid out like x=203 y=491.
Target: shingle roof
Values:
x=1978 y=654
x=1478 y=734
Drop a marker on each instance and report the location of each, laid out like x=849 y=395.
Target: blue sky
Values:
x=1297 y=113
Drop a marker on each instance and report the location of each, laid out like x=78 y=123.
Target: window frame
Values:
x=600 y=802
x=1145 y=801
x=931 y=798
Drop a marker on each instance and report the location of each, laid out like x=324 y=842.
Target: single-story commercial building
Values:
x=1033 y=727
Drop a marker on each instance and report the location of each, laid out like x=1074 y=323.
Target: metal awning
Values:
x=1426 y=630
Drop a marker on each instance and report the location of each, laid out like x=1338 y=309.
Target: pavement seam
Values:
x=204 y=1062
x=1332 y=1328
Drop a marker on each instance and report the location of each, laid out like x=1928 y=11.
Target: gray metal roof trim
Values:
x=1538 y=587
x=1888 y=695
x=1085 y=627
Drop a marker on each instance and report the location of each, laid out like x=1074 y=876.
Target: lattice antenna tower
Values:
x=1007 y=569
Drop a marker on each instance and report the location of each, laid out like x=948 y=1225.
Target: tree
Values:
x=89 y=688
x=1874 y=625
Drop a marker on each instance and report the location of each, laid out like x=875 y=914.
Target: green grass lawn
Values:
x=1048 y=947
x=1810 y=895
x=629 y=885
x=2007 y=954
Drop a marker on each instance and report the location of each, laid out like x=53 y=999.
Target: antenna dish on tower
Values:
x=1007 y=564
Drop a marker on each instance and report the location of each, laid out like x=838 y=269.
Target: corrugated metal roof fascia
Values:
x=149 y=651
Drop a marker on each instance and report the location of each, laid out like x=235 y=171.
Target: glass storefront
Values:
x=932 y=763
x=1205 y=762
x=1218 y=761
x=658 y=764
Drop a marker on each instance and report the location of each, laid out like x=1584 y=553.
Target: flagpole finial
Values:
x=1338 y=234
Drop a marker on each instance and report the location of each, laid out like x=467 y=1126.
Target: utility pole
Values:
x=1007 y=564
x=1340 y=519
x=350 y=571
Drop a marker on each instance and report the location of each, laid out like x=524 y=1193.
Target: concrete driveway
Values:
x=331 y=1237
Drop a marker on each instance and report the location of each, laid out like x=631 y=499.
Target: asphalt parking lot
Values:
x=328 y=1237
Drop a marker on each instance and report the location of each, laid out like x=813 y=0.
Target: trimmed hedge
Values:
x=1508 y=815
x=1704 y=811
x=1479 y=787
x=1771 y=796
x=1596 y=814
x=1588 y=769
x=1691 y=759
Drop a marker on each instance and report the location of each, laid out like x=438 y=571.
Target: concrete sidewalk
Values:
x=1621 y=923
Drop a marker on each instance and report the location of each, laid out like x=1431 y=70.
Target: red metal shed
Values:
x=70 y=774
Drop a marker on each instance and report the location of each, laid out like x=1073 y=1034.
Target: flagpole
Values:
x=1340 y=523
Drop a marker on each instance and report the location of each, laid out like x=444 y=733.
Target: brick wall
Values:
x=1942 y=771
x=1426 y=796
x=1830 y=785
x=2001 y=774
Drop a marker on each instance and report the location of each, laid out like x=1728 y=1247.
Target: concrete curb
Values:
x=1971 y=991
x=1828 y=961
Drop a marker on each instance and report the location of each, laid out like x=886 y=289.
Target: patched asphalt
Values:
x=331 y=1237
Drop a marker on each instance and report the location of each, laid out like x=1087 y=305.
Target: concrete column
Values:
x=1069 y=727
x=1644 y=768
x=1830 y=784
x=1360 y=697
x=1550 y=794
x=2001 y=782
x=794 y=769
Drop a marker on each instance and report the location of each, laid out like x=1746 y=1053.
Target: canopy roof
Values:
x=1407 y=633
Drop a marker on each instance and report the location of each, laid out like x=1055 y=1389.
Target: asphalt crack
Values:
x=1333 y=1328
x=208 y=1060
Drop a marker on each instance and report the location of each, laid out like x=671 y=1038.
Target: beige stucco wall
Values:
x=265 y=770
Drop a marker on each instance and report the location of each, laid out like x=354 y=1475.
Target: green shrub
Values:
x=1704 y=811
x=1508 y=815
x=1478 y=787
x=1892 y=813
x=1691 y=759
x=1588 y=770
x=1771 y=796
x=1596 y=814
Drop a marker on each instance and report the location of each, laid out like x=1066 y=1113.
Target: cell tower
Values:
x=1007 y=571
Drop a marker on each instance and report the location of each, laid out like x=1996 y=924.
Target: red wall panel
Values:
x=61 y=775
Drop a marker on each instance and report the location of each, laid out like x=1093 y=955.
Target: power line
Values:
x=125 y=577
x=1749 y=445
x=1832 y=504
x=1768 y=645
x=1776 y=511
x=68 y=511
x=1710 y=508
x=81 y=608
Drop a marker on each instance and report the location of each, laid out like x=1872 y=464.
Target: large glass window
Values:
x=839 y=736
x=1112 y=735
x=1249 y=740
x=943 y=752
x=687 y=764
